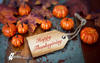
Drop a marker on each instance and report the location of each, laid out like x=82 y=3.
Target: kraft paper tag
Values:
x=46 y=42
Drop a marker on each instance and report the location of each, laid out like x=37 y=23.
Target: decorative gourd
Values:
x=89 y=35
x=46 y=24
x=22 y=28
x=17 y=40
x=60 y=11
x=24 y=9
x=67 y=23
x=9 y=30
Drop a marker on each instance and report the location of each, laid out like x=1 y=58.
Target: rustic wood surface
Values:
x=91 y=53
x=22 y=51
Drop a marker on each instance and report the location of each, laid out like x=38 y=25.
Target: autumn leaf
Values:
x=7 y=14
x=32 y=20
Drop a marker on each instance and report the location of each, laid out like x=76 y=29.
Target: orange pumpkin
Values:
x=60 y=11
x=88 y=17
x=89 y=35
x=9 y=30
x=17 y=40
x=46 y=24
x=22 y=28
x=24 y=9
x=67 y=23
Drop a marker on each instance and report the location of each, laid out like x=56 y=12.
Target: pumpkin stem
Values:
x=67 y=19
x=45 y=17
x=22 y=24
x=17 y=33
x=7 y=24
x=16 y=36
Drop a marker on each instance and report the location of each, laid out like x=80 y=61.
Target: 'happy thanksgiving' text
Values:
x=44 y=40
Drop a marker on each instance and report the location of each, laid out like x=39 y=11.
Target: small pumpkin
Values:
x=60 y=11
x=88 y=17
x=9 y=30
x=22 y=28
x=17 y=40
x=67 y=23
x=24 y=9
x=89 y=35
x=46 y=24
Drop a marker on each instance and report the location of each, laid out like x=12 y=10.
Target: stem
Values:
x=67 y=19
x=16 y=36
x=22 y=24
x=7 y=24
x=45 y=18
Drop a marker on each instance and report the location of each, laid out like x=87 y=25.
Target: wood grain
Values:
x=22 y=51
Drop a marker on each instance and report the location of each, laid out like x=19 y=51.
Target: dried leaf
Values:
x=16 y=3
x=43 y=12
x=77 y=6
x=32 y=27
x=7 y=14
x=32 y=20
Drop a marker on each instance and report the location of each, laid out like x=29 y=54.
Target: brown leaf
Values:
x=32 y=20
x=32 y=27
x=7 y=14
x=16 y=3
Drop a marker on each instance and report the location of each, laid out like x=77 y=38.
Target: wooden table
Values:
x=91 y=52
x=22 y=51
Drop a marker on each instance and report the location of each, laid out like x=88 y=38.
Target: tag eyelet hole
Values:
x=64 y=37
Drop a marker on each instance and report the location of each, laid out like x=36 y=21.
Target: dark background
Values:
x=92 y=52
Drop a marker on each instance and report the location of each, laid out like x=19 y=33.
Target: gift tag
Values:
x=46 y=42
